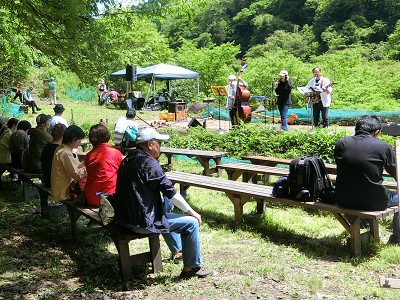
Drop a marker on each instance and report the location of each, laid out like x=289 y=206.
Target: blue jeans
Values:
x=394 y=201
x=184 y=234
x=283 y=111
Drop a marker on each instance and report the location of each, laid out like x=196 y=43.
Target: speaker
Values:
x=391 y=129
x=194 y=123
x=129 y=73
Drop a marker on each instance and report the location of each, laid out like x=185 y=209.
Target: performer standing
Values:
x=323 y=100
x=283 y=88
x=230 y=97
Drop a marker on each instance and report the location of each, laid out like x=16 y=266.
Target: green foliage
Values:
x=261 y=140
x=210 y=62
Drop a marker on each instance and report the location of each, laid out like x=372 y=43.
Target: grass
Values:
x=287 y=253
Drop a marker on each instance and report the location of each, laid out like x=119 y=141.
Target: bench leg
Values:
x=27 y=191
x=261 y=204
x=73 y=217
x=206 y=165
x=183 y=190
x=124 y=258
x=374 y=229
x=155 y=252
x=355 y=233
x=238 y=201
x=44 y=204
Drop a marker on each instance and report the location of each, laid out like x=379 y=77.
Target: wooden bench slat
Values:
x=240 y=192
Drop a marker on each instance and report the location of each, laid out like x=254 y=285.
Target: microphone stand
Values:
x=273 y=104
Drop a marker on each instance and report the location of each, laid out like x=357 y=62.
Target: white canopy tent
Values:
x=160 y=72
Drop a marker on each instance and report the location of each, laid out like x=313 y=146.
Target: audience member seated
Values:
x=46 y=158
x=113 y=95
x=5 y=154
x=57 y=118
x=39 y=138
x=102 y=164
x=19 y=142
x=122 y=124
x=28 y=100
x=360 y=161
x=66 y=166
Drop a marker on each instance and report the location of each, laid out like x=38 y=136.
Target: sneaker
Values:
x=199 y=272
x=34 y=112
x=177 y=258
x=38 y=109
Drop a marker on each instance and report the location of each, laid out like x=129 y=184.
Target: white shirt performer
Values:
x=324 y=99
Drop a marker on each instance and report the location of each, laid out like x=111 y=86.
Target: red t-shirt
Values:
x=102 y=164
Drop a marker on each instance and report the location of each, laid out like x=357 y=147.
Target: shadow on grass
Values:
x=38 y=255
x=329 y=248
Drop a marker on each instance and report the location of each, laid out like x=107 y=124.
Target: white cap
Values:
x=149 y=133
x=231 y=77
x=283 y=73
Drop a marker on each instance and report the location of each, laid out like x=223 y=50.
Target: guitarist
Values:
x=322 y=100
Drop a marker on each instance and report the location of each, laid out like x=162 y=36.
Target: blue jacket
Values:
x=138 y=201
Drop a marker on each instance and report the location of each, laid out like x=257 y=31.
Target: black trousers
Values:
x=318 y=109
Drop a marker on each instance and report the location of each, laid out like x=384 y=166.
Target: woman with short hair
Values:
x=66 y=167
x=102 y=164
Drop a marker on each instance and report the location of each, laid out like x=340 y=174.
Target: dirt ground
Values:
x=223 y=126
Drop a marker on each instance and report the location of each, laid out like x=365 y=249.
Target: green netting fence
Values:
x=304 y=114
x=86 y=95
x=9 y=109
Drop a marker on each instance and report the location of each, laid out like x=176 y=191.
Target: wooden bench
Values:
x=242 y=192
x=204 y=157
x=44 y=194
x=249 y=172
x=26 y=178
x=121 y=238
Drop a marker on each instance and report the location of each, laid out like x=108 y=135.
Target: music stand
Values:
x=219 y=90
x=309 y=92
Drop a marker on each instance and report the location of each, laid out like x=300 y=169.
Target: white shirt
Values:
x=120 y=127
x=323 y=82
x=57 y=120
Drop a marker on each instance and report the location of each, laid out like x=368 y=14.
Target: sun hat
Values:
x=42 y=119
x=231 y=77
x=148 y=133
x=283 y=73
x=58 y=108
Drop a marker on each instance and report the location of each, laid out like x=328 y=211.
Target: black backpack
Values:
x=309 y=181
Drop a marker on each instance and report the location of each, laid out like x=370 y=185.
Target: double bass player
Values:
x=231 y=88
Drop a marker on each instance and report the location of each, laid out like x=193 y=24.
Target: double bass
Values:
x=241 y=108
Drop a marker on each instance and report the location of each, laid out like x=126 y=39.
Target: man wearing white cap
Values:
x=230 y=97
x=140 y=207
x=283 y=88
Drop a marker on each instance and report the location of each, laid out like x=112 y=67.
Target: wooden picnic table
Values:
x=84 y=144
x=204 y=157
x=273 y=161
x=249 y=172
